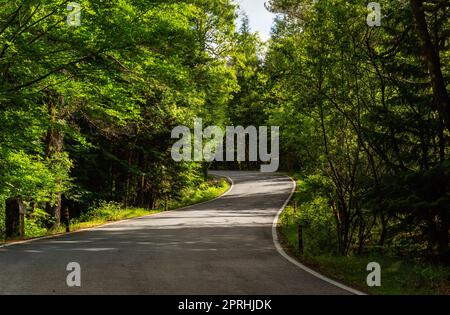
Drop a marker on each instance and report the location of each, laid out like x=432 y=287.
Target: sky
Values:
x=260 y=19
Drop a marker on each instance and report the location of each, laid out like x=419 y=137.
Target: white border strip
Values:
x=294 y=261
x=121 y=221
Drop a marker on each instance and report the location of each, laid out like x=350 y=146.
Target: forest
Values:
x=86 y=111
x=364 y=117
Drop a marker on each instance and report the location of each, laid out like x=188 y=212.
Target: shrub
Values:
x=313 y=212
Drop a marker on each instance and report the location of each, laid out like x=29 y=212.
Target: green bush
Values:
x=33 y=229
x=310 y=208
x=106 y=210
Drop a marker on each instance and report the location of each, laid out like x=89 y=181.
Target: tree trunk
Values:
x=433 y=62
x=383 y=229
x=443 y=248
x=54 y=147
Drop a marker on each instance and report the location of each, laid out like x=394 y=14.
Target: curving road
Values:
x=224 y=246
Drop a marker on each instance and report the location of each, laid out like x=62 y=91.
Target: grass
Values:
x=398 y=275
x=206 y=191
x=111 y=212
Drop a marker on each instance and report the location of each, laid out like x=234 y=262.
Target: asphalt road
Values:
x=224 y=246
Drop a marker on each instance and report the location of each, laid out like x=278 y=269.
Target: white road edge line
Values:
x=121 y=221
x=282 y=252
x=276 y=242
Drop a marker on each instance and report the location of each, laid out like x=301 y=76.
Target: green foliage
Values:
x=360 y=121
x=203 y=192
x=36 y=223
x=310 y=209
x=401 y=274
x=107 y=211
x=35 y=178
x=399 y=277
x=86 y=112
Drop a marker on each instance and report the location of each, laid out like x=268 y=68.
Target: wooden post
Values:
x=67 y=219
x=300 y=238
x=15 y=218
x=22 y=212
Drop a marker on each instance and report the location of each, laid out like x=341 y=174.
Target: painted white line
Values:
x=282 y=252
x=121 y=221
x=277 y=244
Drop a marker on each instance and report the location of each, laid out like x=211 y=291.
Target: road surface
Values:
x=224 y=246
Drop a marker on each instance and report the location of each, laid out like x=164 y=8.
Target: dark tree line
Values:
x=364 y=115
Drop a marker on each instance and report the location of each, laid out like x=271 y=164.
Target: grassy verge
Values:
x=110 y=212
x=398 y=276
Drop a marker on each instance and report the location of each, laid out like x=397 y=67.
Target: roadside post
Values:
x=15 y=218
x=300 y=238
